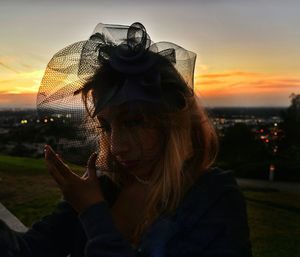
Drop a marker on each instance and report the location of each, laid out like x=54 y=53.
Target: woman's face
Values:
x=133 y=139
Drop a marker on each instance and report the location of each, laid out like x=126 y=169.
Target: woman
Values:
x=149 y=189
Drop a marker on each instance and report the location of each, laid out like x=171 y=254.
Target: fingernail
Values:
x=46 y=152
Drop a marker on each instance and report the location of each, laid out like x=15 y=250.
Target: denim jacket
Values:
x=211 y=221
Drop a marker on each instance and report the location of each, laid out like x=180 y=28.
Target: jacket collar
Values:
x=206 y=191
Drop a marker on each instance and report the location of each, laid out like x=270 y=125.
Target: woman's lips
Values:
x=129 y=163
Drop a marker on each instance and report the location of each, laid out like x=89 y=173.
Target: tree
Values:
x=240 y=146
x=290 y=145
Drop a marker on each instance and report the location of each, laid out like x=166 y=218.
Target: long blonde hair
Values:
x=190 y=148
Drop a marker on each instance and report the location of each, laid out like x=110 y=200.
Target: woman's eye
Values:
x=134 y=122
x=105 y=128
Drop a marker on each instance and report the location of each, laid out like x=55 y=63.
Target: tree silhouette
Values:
x=290 y=145
x=240 y=146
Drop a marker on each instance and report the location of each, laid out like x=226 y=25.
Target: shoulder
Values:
x=212 y=183
x=216 y=190
x=213 y=218
x=216 y=176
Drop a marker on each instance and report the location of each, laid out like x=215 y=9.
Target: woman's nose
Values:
x=119 y=144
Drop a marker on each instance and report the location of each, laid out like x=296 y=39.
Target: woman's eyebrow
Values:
x=121 y=115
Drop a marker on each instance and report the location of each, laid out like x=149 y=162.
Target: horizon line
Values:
x=208 y=107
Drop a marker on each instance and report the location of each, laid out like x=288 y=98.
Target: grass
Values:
x=274 y=219
x=28 y=191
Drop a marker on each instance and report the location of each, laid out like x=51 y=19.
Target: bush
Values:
x=284 y=170
x=21 y=150
x=254 y=170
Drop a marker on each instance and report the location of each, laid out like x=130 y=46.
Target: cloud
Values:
x=228 y=74
x=210 y=82
x=23 y=82
x=17 y=100
x=245 y=80
x=201 y=67
x=7 y=58
x=3 y=92
x=5 y=81
x=271 y=85
x=7 y=63
x=8 y=67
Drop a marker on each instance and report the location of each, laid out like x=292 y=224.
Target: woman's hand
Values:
x=80 y=192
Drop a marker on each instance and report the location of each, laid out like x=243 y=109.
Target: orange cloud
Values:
x=17 y=100
x=7 y=67
x=228 y=74
x=238 y=87
x=239 y=81
x=22 y=82
x=223 y=88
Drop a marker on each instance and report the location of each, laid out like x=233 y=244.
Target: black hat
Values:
x=127 y=50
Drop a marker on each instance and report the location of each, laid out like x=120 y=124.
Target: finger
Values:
x=91 y=166
x=60 y=163
x=57 y=162
x=59 y=179
x=56 y=176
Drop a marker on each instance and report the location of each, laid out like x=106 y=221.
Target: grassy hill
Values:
x=28 y=191
x=26 y=187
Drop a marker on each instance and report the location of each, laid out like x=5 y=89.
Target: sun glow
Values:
x=20 y=83
x=236 y=82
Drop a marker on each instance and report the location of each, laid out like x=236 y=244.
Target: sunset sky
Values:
x=248 y=52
